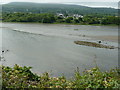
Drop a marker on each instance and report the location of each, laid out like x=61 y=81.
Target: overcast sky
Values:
x=57 y=1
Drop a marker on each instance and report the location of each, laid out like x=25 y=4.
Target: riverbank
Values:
x=52 y=18
x=61 y=23
x=22 y=77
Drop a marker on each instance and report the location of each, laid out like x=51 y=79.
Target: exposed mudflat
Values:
x=93 y=44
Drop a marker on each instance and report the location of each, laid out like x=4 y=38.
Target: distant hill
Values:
x=55 y=8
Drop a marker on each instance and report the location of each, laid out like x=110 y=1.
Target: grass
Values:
x=22 y=77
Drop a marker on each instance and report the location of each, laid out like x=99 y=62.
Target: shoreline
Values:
x=63 y=23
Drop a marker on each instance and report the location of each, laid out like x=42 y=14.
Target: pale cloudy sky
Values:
x=57 y=1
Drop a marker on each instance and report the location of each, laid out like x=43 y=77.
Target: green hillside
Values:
x=55 y=8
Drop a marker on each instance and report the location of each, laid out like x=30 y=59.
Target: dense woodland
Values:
x=52 y=18
x=47 y=13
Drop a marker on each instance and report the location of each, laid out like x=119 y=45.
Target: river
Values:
x=51 y=48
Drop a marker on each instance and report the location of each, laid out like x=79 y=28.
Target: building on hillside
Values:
x=77 y=16
x=60 y=15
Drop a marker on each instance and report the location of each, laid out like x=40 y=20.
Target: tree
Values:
x=69 y=20
x=76 y=21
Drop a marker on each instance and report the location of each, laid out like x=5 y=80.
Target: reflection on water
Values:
x=54 y=54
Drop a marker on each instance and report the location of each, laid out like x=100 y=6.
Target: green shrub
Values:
x=22 y=77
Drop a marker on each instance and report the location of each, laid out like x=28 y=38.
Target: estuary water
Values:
x=51 y=48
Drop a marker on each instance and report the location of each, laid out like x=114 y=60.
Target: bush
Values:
x=22 y=77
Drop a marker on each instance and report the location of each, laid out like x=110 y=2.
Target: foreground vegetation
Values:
x=22 y=77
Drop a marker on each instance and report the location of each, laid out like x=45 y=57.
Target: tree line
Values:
x=53 y=18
